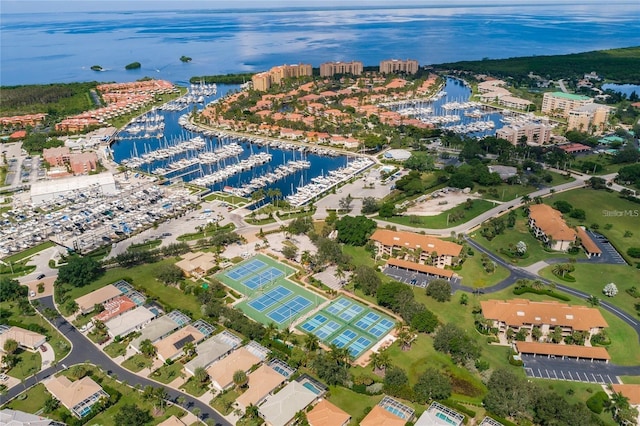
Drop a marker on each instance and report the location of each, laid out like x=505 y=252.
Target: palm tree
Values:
x=240 y=378
x=526 y=199
x=148 y=349
x=379 y=361
x=340 y=274
x=251 y=412
x=593 y=301
x=537 y=284
x=181 y=400
x=405 y=336
x=560 y=269
x=270 y=331
x=616 y=403
x=189 y=349
x=311 y=343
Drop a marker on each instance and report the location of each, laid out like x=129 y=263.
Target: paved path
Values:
x=83 y=350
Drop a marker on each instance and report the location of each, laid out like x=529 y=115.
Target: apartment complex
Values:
x=535 y=133
x=517 y=314
x=560 y=104
x=493 y=91
x=329 y=69
x=588 y=118
x=548 y=225
x=264 y=80
x=79 y=163
x=420 y=248
x=391 y=66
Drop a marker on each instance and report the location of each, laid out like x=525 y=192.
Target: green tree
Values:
x=50 y=404
x=432 y=384
x=508 y=394
x=369 y=205
x=169 y=274
x=424 y=321
x=79 y=271
x=396 y=382
x=420 y=161
x=345 y=203
x=440 y=290
x=366 y=279
x=131 y=415
x=454 y=341
x=11 y=289
x=148 y=349
x=387 y=209
x=289 y=251
x=240 y=378
x=10 y=346
x=355 y=231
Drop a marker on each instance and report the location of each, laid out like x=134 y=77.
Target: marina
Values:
x=220 y=161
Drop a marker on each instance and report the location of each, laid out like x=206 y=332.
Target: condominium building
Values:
x=588 y=118
x=264 y=80
x=329 y=69
x=560 y=103
x=548 y=225
x=517 y=314
x=420 y=248
x=391 y=66
x=535 y=133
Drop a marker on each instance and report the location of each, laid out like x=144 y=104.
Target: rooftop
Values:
x=570 y=96
x=378 y=416
x=213 y=349
x=128 y=321
x=550 y=221
x=261 y=382
x=630 y=391
x=280 y=408
x=518 y=312
x=413 y=240
x=88 y=301
x=592 y=352
x=172 y=345
x=586 y=241
x=222 y=371
x=71 y=393
x=26 y=338
x=325 y=413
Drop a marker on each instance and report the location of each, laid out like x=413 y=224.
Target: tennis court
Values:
x=245 y=268
x=347 y=323
x=263 y=278
x=271 y=297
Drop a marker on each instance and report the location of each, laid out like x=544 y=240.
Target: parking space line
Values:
x=570 y=375
x=586 y=377
x=562 y=372
x=554 y=374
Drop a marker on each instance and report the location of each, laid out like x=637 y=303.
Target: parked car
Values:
x=40 y=276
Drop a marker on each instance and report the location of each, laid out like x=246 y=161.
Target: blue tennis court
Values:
x=367 y=321
x=359 y=346
x=289 y=309
x=338 y=306
x=269 y=299
x=263 y=278
x=245 y=269
x=343 y=339
x=381 y=328
x=350 y=313
x=327 y=329
x=313 y=323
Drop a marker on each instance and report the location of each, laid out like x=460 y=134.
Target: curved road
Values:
x=83 y=350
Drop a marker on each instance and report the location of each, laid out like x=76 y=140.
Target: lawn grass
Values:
x=359 y=256
x=511 y=237
x=143 y=278
x=194 y=388
x=137 y=363
x=598 y=206
x=222 y=402
x=591 y=279
x=603 y=160
x=167 y=373
x=116 y=349
x=442 y=220
x=13 y=316
x=29 y=363
x=508 y=192
x=352 y=402
x=14 y=258
x=634 y=380
x=231 y=199
x=474 y=275
x=35 y=398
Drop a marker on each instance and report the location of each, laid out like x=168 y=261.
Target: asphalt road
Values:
x=576 y=370
x=83 y=350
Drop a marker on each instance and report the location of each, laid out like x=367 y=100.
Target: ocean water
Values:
x=62 y=45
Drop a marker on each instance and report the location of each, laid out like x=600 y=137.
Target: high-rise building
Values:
x=560 y=103
x=329 y=69
x=264 y=80
x=588 y=118
x=390 y=66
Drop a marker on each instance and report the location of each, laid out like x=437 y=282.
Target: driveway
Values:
x=576 y=370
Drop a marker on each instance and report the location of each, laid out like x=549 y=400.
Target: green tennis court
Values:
x=271 y=297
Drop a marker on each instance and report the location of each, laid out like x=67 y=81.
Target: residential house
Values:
x=79 y=396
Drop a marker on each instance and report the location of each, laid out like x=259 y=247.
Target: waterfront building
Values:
x=518 y=314
x=264 y=80
x=421 y=248
x=535 y=133
x=560 y=104
x=588 y=118
x=494 y=91
x=22 y=121
x=548 y=225
x=392 y=66
x=329 y=69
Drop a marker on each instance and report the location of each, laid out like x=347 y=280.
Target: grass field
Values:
x=35 y=398
x=253 y=294
x=599 y=206
x=603 y=160
x=442 y=220
x=137 y=363
x=29 y=363
x=591 y=279
x=167 y=373
x=474 y=275
x=352 y=402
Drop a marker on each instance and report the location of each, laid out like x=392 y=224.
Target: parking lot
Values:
x=586 y=371
x=609 y=252
x=418 y=279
